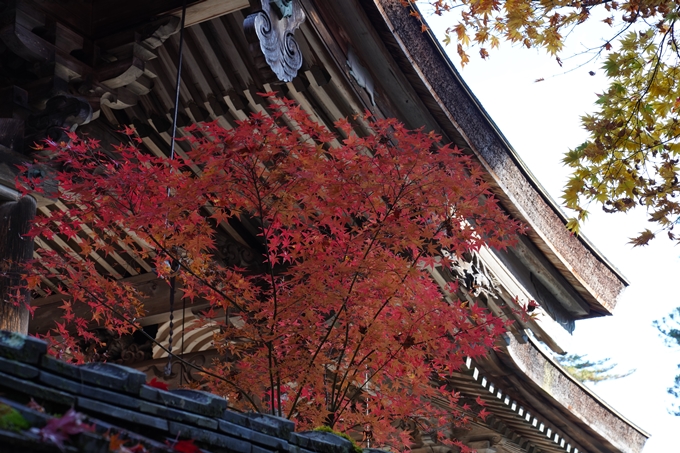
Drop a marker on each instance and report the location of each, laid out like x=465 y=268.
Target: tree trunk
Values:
x=15 y=250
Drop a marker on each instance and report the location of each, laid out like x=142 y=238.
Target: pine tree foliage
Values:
x=584 y=370
x=670 y=328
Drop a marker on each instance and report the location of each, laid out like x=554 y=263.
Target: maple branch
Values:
x=358 y=348
x=278 y=395
x=272 y=282
x=403 y=190
x=392 y=357
x=193 y=274
x=123 y=317
x=388 y=360
x=339 y=361
x=635 y=111
x=271 y=378
x=363 y=336
x=343 y=306
x=377 y=313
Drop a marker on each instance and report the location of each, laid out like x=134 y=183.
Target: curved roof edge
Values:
x=591 y=274
x=576 y=398
x=520 y=163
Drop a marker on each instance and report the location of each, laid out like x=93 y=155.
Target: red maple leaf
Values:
x=60 y=429
x=139 y=448
x=158 y=384
x=186 y=446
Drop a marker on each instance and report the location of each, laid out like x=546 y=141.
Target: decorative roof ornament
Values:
x=471 y=272
x=273 y=29
x=283 y=7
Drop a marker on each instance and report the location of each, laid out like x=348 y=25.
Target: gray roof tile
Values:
x=115 y=400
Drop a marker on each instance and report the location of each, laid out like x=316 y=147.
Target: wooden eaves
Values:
x=462 y=118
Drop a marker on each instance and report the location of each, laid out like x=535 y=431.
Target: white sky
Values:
x=541 y=121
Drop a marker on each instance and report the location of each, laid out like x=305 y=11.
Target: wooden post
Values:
x=15 y=249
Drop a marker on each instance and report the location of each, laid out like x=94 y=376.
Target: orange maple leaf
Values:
x=115 y=442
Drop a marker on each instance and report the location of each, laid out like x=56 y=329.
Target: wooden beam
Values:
x=210 y=9
x=15 y=249
x=155 y=290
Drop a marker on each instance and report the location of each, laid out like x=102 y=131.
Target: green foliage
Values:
x=631 y=156
x=584 y=370
x=670 y=328
x=327 y=429
x=11 y=419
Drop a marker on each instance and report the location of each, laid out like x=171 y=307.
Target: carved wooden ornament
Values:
x=273 y=29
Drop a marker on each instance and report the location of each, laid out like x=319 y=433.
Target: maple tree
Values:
x=631 y=155
x=343 y=324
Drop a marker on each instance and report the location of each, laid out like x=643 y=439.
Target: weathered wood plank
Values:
x=210 y=9
x=15 y=249
x=199 y=44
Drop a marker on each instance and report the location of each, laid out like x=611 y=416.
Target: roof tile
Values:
x=116 y=400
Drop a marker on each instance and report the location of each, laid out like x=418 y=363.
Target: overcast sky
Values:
x=541 y=121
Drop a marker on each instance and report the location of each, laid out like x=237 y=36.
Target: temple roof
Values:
x=532 y=396
x=458 y=112
x=358 y=55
